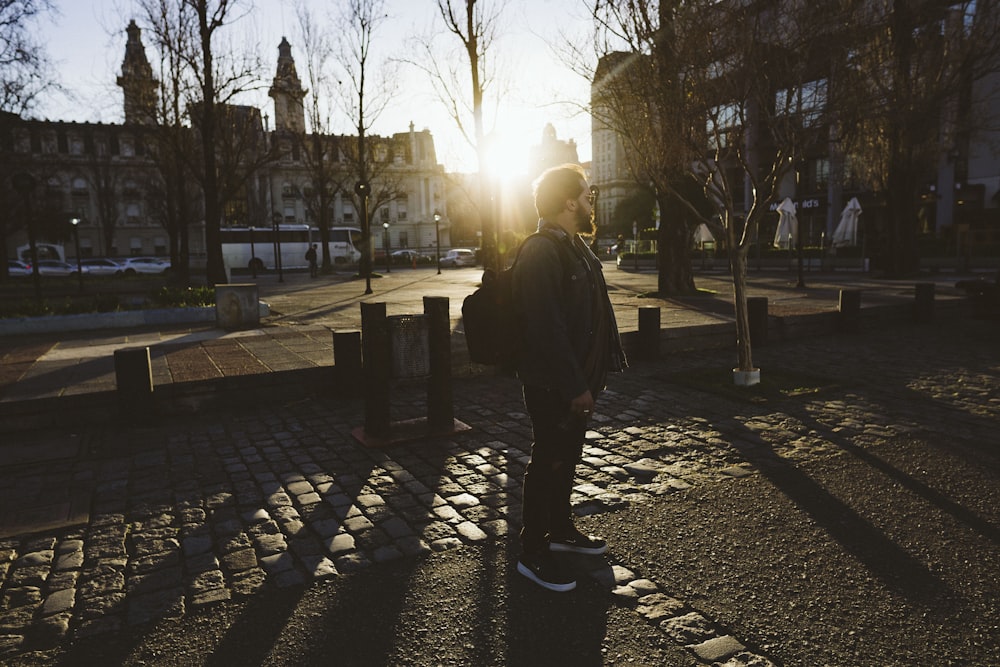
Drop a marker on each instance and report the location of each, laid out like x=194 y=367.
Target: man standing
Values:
x=569 y=343
x=311 y=258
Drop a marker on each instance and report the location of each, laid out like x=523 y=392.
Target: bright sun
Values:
x=507 y=154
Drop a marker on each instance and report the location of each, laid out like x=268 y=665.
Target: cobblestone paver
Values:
x=194 y=512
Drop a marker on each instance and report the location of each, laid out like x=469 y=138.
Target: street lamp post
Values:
x=253 y=255
x=76 y=238
x=276 y=220
x=635 y=244
x=363 y=190
x=386 y=243
x=437 y=234
x=24 y=183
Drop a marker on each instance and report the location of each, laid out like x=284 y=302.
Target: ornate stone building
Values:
x=108 y=176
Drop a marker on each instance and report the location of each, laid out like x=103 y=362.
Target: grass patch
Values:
x=163 y=297
x=775 y=384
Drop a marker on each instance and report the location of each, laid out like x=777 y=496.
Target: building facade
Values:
x=109 y=177
x=959 y=199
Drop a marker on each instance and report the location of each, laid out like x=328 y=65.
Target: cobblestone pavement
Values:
x=185 y=514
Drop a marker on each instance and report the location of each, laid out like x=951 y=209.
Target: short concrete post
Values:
x=134 y=382
x=440 y=412
x=649 y=332
x=849 y=310
x=923 y=307
x=347 y=358
x=377 y=366
x=236 y=306
x=757 y=319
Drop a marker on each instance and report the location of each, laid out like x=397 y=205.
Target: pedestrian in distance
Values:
x=568 y=343
x=311 y=258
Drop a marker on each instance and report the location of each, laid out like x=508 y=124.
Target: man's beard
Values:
x=585 y=222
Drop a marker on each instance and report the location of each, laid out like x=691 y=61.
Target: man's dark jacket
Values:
x=555 y=310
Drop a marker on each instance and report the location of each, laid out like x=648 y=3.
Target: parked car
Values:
x=459 y=257
x=101 y=266
x=16 y=267
x=53 y=267
x=409 y=256
x=147 y=265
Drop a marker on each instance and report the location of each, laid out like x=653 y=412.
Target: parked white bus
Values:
x=255 y=248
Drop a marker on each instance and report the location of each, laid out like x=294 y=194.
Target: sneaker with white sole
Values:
x=543 y=570
x=576 y=542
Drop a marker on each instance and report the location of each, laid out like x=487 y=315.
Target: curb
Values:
x=122 y=319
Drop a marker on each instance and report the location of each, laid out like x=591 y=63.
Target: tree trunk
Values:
x=673 y=262
x=738 y=268
x=901 y=257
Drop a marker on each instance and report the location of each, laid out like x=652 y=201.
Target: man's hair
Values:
x=555 y=186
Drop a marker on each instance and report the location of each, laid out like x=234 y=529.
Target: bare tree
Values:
x=710 y=94
x=25 y=74
x=366 y=88
x=25 y=69
x=475 y=24
x=200 y=88
x=320 y=150
x=104 y=182
x=172 y=147
x=903 y=103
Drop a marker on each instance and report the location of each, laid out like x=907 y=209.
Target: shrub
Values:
x=177 y=297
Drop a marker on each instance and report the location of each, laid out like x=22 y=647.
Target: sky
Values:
x=87 y=44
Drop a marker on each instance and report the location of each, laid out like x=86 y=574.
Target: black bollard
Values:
x=347 y=359
x=757 y=319
x=440 y=412
x=134 y=382
x=649 y=332
x=376 y=364
x=923 y=307
x=849 y=319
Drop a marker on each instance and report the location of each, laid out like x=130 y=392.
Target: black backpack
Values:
x=491 y=331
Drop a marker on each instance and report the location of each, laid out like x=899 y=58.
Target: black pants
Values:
x=548 y=479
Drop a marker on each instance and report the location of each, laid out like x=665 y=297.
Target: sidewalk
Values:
x=855 y=522
x=297 y=335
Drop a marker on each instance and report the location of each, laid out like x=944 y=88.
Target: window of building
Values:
x=132 y=214
x=722 y=121
x=160 y=246
x=404 y=239
x=62 y=143
x=806 y=102
x=135 y=246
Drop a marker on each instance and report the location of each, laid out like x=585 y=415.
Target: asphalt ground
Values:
x=848 y=514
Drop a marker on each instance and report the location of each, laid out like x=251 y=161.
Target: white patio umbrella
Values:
x=788 y=224
x=846 y=233
x=702 y=235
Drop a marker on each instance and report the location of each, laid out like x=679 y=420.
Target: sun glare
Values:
x=507 y=155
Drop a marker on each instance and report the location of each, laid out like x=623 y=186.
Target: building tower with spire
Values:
x=287 y=93
x=137 y=80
